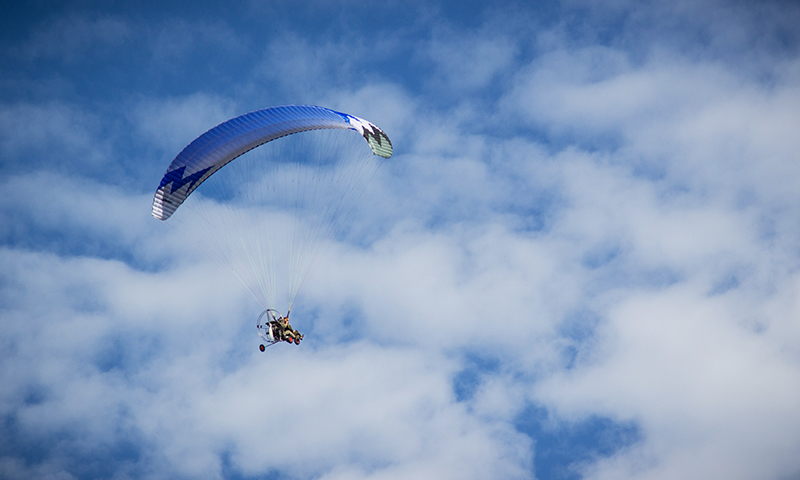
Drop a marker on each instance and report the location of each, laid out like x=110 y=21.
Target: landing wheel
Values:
x=262 y=347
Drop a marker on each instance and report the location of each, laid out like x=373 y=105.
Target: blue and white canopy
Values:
x=217 y=147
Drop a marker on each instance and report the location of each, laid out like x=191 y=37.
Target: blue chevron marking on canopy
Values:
x=177 y=179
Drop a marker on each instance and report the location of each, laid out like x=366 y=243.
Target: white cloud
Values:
x=704 y=388
x=172 y=123
x=471 y=62
x=388 y=410
x=36 y=135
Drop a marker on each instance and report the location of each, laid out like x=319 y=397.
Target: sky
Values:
x=582 y=261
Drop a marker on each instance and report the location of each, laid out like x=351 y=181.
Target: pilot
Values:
x=285 y=331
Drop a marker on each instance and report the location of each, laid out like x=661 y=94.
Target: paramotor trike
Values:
x=273 y=329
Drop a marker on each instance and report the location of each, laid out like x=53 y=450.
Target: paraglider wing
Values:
x=223 y=143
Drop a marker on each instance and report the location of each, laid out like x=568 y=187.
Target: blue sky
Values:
x=581 y=262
